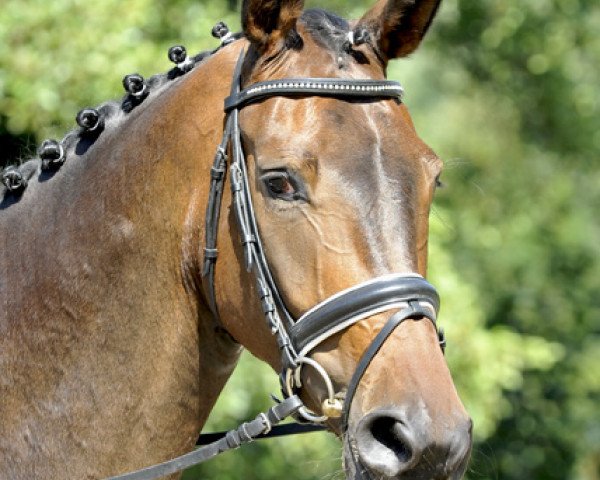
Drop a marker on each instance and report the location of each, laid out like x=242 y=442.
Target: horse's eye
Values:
x=280 y=185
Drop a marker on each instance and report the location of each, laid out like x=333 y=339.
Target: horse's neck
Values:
x=108 y=358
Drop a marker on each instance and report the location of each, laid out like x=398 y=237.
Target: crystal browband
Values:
x=315 y=86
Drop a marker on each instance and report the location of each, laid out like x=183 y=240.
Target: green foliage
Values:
x=507 y=94
x=480 y=381
x=513 y=85
x=62 y=55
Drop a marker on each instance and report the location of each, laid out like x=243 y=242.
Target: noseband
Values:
x=409 y=294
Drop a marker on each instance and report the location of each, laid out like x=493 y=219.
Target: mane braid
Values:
x=93 y=122
x=326 y=28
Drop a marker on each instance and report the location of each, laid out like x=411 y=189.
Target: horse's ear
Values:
x=398 y=26
x=268 y=23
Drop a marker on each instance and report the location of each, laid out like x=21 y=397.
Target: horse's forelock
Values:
x=326 y=28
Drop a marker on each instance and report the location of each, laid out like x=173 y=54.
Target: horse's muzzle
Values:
x=389 y=444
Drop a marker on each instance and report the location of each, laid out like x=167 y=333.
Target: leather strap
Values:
x=414 y=311
x=277 y=431
x=215 y=195
x=328 y=87
x=358 y=302
x=233 y=439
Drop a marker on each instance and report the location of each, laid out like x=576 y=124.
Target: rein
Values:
x=409 y=294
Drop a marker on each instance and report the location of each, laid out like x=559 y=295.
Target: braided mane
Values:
x=331 y=31
x=52 y=154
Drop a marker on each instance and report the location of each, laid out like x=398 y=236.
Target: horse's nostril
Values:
x=389 y=443
x=384 y=444
x=387 y=431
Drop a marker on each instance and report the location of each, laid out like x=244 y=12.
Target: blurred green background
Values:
x=508 y=94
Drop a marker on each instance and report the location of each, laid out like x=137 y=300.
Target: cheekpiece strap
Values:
x=215 y=196
x=325 y=87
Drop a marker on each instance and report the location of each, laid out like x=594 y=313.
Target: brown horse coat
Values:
x=109 y=357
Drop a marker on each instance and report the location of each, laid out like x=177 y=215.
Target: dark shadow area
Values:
x=10 y=199
x=84 y=143
x=47 y=174
x=14 y=147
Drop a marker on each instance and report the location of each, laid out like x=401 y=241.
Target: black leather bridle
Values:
x=408 y=294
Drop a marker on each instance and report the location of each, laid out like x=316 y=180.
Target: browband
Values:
x=325 y=87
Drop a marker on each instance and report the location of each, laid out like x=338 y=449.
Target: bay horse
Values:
x=125 y=300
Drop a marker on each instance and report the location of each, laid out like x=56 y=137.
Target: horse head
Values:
x=341 y=189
